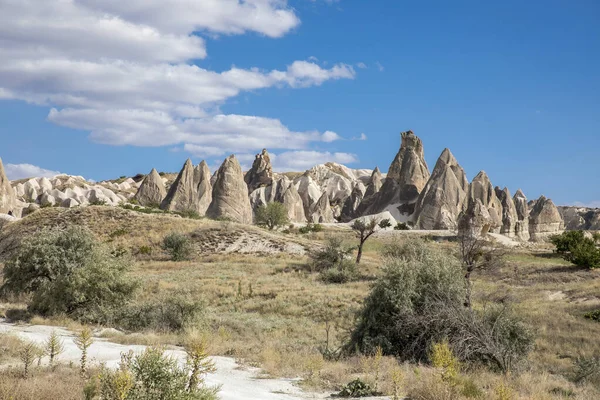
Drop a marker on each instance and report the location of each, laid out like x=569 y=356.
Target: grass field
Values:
x=269 y=310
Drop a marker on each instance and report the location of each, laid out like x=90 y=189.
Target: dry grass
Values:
x=268 y=310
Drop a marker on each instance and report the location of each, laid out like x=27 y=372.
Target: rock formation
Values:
x=476 y=218
x=293 y=203
x=152 y=190
x=7 y=194
x=481 y=189
x=321 y=212
x=183 y=195
x=230 y=194
x=444 y=196
x=544 y=220
x=308 y=190
x=283 y=191
x=580 y=218
x=407 y=176
x=261 y=173
x=353 y=202
x=375 y=183
x=509 y=212
x=203 y=187
x=522 y=210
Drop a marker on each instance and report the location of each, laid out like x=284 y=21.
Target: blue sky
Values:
x=510 y=87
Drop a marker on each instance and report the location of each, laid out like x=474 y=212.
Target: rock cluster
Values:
x=7 y=195
x=261 y=173
x=544 y=219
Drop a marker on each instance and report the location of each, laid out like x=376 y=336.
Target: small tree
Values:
x=575 y=247
x=83 y=341
x=28 y=353
x=178 y=246
x=272 y=215
x=198 y=363
x=364 y=229
x=475 y=253
x=53 y=346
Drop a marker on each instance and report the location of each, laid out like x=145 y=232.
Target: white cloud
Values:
x=121 y=70
x=361 y=65
x=380 y=66
x=20 y=171
x=361 y=137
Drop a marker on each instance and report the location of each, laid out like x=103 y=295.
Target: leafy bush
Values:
x=272 y=215
x=578 y=249
x=330 y=256
x=191 y=214
x=67 y=271
x=418 y=301
x=357 y=388
x=345 y=271
x=401 y=226
x=593 y=315
x=308 y=228
x=152 y=376
x=98 y=203
x=178 y=246
x=170 y=313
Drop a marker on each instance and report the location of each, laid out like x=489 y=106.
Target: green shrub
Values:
x=344 y=272
x=191 y=214
x=119 y=232
x=401 y=226
x=66 y=271
x=593 y=315
x=98 y=203
x=171 y=313
x=308 y=228
x=272 y=215
x=145 y=250
x=418 y=301
x=178 y=246
x=152 y=375
x=331 y=256
x=357 y=388
x=578 y=249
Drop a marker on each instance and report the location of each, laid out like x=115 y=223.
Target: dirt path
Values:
x=237 y=382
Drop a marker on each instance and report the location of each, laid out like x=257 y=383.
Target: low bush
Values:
x=308 y=228
x=272 y=215
x=178 y=246
x=357 y=388
x=401 y=226
x=66 y=271
x=418 y=301
x=171 y=313
x=575 y=247
x=332 y=255
x=343 y=272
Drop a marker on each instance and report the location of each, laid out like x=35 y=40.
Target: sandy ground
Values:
x=237 y=382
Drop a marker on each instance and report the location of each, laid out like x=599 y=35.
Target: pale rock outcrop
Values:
x=509 y=213
x=203 y=187
x=19 y=190
x=182 y=195
x=353 y=202
x=45 y=184
x=261 y=173
x=293 y=202
x=406 y=178
x=69 y=203
x=97 y=196
x=152 y=190
x=580 y=218
x=230 y=194
x=481 y=189
x=281 y=190
x=375 y=183
x=522 y=210
x=321 y=212
x=476 y=219
x=47 y=200
x=444 y=196
x=334 y=179
x=308 y=190
x=7 y=194
x=544 y=220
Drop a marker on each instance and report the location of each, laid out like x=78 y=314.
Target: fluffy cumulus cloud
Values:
x=124 y=70
x=20 y=171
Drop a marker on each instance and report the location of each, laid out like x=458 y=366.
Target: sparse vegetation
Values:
x=309 y=228
x=272 y=215
x=84 y=340
x=401 y=226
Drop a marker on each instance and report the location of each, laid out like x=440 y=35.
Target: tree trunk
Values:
x=468 y=286
x=359 y=255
